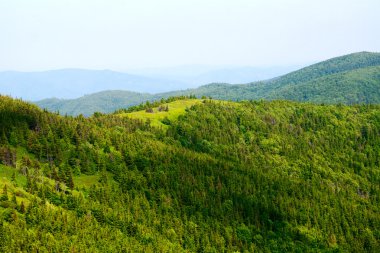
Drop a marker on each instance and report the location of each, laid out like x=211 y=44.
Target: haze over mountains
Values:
x=74 y=83
x=197 y=75
x=349 y=79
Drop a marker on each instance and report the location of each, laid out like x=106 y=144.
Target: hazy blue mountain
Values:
x=106 y=101
x=348 y=79
x=73 y=83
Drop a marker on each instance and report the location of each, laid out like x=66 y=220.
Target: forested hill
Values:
x=349 y=79
x=333 y=66
x=220 y=177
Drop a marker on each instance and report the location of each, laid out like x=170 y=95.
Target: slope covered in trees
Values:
x=223 y=177
x=351 y=87
x=348 y=79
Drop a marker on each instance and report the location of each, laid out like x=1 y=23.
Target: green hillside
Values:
x=350 y=87
x=332 y=66
x=221 y=177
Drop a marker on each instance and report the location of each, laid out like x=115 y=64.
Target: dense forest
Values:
x=251 y=176
x=349 y=79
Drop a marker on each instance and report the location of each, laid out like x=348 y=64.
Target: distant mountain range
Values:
x=349 y=79
x=106 y=101
x=74 y=83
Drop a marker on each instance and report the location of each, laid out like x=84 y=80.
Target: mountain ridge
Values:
x=336 y=80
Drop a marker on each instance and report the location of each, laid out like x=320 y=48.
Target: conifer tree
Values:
x=4 y=196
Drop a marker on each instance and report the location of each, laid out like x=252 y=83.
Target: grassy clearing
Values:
x=13 y=187
x=7 y=172
x=176 y=109
x=17 y=186
x=85 y=180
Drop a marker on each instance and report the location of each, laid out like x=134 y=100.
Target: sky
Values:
x=131 y=34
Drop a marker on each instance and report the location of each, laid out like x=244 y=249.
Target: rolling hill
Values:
x=349 y=87
x=258 y=176
x=348 y=79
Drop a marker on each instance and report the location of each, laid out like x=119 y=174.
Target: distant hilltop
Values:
x=349 y=79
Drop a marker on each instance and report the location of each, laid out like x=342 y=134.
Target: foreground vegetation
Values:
x=249 y=177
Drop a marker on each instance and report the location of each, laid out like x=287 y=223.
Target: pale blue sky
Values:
x=120 y=35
